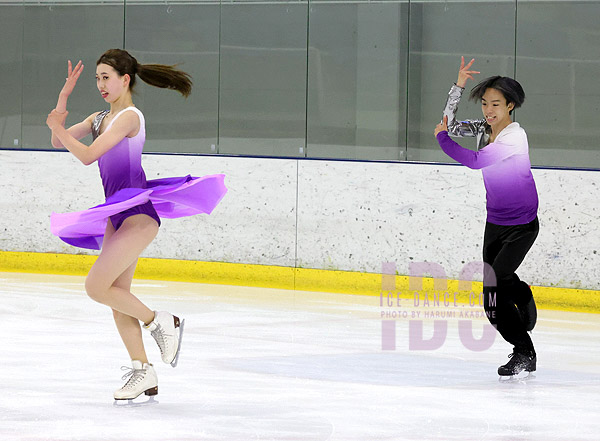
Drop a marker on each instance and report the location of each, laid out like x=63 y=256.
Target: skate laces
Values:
x=512 y=361
x=134 y=375
x=518 y=360
x=160 y=335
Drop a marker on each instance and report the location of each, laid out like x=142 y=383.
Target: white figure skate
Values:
x=142 y=380
x=167 y=330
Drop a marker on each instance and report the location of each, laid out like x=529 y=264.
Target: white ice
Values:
x=266 y=364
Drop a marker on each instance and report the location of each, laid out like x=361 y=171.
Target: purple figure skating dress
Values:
x=128 y=192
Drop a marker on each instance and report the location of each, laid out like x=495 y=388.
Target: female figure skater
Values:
x=512 y=203
x=129 y=220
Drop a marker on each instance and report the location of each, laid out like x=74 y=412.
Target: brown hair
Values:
x=158 y=75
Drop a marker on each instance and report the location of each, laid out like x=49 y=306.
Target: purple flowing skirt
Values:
x=171 y=198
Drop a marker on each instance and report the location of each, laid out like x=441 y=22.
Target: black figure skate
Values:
x=519 y=368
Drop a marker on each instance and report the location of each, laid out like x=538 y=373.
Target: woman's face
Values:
x=110 y=84
x=494 y=108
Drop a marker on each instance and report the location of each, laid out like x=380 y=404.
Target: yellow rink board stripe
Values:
x=301 y=279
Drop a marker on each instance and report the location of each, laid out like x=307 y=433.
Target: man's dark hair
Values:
x=511 y=89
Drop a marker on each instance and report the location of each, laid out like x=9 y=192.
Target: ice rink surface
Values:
x=265 y=364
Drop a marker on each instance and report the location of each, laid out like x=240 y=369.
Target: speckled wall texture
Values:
x=350 y=216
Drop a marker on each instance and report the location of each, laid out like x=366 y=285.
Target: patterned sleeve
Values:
x=459 y=128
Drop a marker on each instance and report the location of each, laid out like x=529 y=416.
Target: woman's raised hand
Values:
x=465 y=73
x=71 y=80
x=72 y=77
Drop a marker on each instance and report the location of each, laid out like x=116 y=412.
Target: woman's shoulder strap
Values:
x=134 y=109
x=97 y=122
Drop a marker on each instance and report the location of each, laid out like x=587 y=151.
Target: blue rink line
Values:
x=301 y=158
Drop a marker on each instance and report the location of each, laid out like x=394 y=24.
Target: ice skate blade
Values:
x=523 y=377
x=127 y=403
x=176 y=359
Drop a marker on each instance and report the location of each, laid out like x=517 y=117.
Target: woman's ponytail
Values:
x=165 y=77
x=158 y=75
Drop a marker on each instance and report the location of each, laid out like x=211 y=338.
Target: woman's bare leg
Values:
x=119 y=252
x=109 y=280
x=129 y=327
